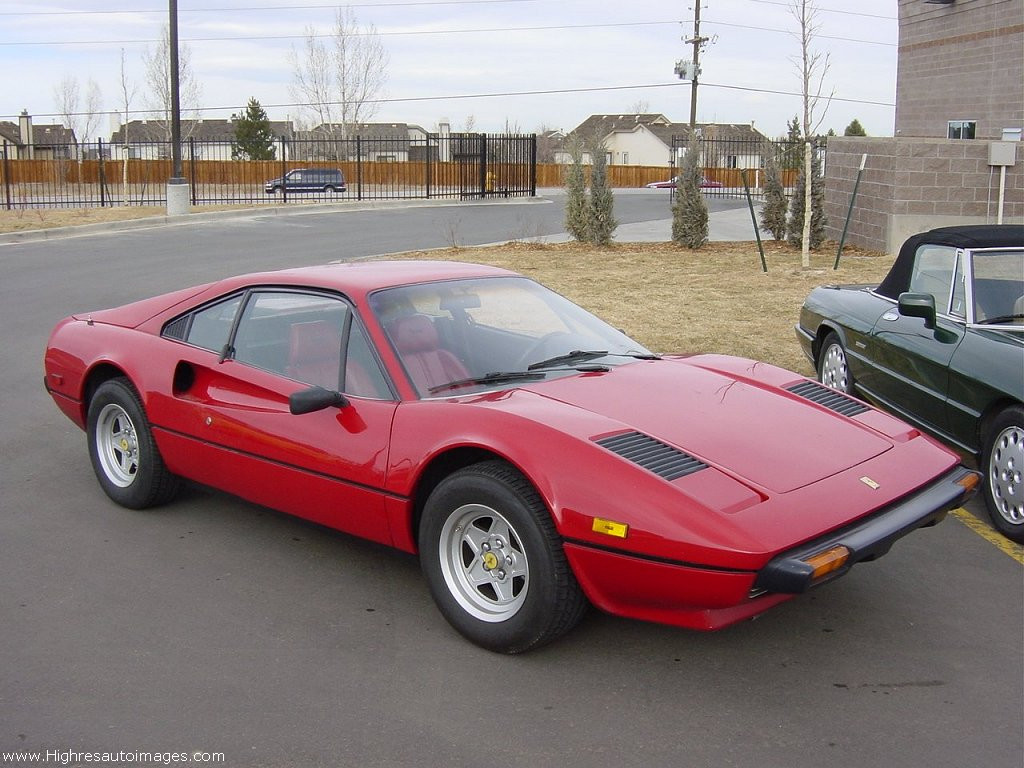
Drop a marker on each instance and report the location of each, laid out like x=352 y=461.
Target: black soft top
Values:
x=970 y=236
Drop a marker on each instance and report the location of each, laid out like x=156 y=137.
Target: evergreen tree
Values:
x=773 y=214
x=601 y=222
x=254 y=139
x=689 y=211
x=793 y=156
x=855 y=129
x=796 y=208
x=575 y=192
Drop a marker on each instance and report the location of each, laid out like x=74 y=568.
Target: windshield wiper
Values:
x=581 y=355
x=496 y=377
x=999 y=320
x=576 y=356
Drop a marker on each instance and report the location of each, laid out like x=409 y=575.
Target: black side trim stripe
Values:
x=656 y=559
x=830 y=398
x=284 y=464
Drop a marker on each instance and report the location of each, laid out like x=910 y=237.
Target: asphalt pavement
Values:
x=214 y=627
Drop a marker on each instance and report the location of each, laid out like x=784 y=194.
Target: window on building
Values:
x=961 y=129
x=625 y=158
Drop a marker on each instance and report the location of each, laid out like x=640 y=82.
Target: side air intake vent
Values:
x=653 y=455
x=829 y=398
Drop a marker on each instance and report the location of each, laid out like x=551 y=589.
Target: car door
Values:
x=910 y=360
x=234 y=429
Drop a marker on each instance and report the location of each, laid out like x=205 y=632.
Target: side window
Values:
x=958 y=308
x=211 y=327
x=933 y=273
x=294 y=334
x=305 y=337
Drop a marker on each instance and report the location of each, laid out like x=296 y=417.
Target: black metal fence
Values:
x=457 y=166
x=725 y=162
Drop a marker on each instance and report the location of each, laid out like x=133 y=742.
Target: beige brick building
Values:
x=959 y=90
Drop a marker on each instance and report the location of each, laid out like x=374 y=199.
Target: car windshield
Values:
x=467 y=335
x=998 y=283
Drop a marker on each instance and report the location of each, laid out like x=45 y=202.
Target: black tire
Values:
x=833 y=365
x=494 y=561
x=124 y=455
x=1002 y=462
x=329 y=190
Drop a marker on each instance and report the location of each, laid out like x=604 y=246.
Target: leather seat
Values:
x=419 y=347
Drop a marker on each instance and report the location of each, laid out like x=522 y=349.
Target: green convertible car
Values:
x=939 y=343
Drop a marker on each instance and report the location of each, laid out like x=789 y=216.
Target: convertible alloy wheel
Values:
x=494 y=561
x=1004 y=473
x=833 y=370
x=124 y=455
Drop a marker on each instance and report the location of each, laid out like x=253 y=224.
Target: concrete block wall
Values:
x=913 y=184
x=963 y=61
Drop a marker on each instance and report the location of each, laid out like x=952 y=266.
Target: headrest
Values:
x=414 y=333
x=315 y=340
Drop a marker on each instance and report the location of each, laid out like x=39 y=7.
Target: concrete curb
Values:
x=200 y=217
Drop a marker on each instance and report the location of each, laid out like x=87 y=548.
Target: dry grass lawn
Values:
x=671 y=299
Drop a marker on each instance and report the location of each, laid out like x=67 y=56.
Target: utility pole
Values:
x=177 y=188
x=697 y=42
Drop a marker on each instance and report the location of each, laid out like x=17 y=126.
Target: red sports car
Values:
x=537 y=459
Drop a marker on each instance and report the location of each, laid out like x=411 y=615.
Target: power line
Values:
x=416 y=33
x=327 y=6
x=490 y=30
x=503 y=94
x=827 y=10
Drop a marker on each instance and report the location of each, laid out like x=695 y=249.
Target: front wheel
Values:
x=494 y=561
x=1003 y=464
x=833 y=367
x=124 y=455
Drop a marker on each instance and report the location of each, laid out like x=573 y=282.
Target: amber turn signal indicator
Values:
x=827 y=562
x=610 y=528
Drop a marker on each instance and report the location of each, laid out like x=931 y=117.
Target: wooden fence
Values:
x=248 y=172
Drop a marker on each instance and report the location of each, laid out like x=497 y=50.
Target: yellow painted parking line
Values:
x=1016 y=551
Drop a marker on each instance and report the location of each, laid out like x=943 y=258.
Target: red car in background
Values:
x=705 y=183
x=536 y=459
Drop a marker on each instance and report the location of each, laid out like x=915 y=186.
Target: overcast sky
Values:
x=524 y=63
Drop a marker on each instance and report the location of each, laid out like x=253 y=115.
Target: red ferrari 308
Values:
x=536 y=459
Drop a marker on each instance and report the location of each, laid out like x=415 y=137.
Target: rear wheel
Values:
x=1003 y=464
x=833 y=368
x=494 y=561
x=124 y=455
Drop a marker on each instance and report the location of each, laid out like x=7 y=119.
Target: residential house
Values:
x=376 y=142
x=45 y=141
x=654 y=140
x=210 y=139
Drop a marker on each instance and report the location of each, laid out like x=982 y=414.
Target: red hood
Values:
x=749 y=428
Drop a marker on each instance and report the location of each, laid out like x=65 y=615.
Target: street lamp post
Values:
x=177 y=187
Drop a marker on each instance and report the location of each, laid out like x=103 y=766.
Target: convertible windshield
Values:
x=463 y=331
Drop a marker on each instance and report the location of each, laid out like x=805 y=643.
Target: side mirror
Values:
x=315 y=399
x=918 y=305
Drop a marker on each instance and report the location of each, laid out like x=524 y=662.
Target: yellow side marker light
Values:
x=610 y=528
x=828 y=561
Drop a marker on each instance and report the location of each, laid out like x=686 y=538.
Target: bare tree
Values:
x=812 y=67
x=360 y=68
x=158 y=79
x=312 y=79
x=342 y=80
x=640 y=107
x=128 y=91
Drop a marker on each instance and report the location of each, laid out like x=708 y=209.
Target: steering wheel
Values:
x=548 y=345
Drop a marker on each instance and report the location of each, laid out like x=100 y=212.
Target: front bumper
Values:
x=869 y=538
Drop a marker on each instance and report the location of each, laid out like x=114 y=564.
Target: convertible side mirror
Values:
x=315 y=399
x=918 y=305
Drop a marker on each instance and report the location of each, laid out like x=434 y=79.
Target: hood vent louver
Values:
x=830 y=398
x=653 y=455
